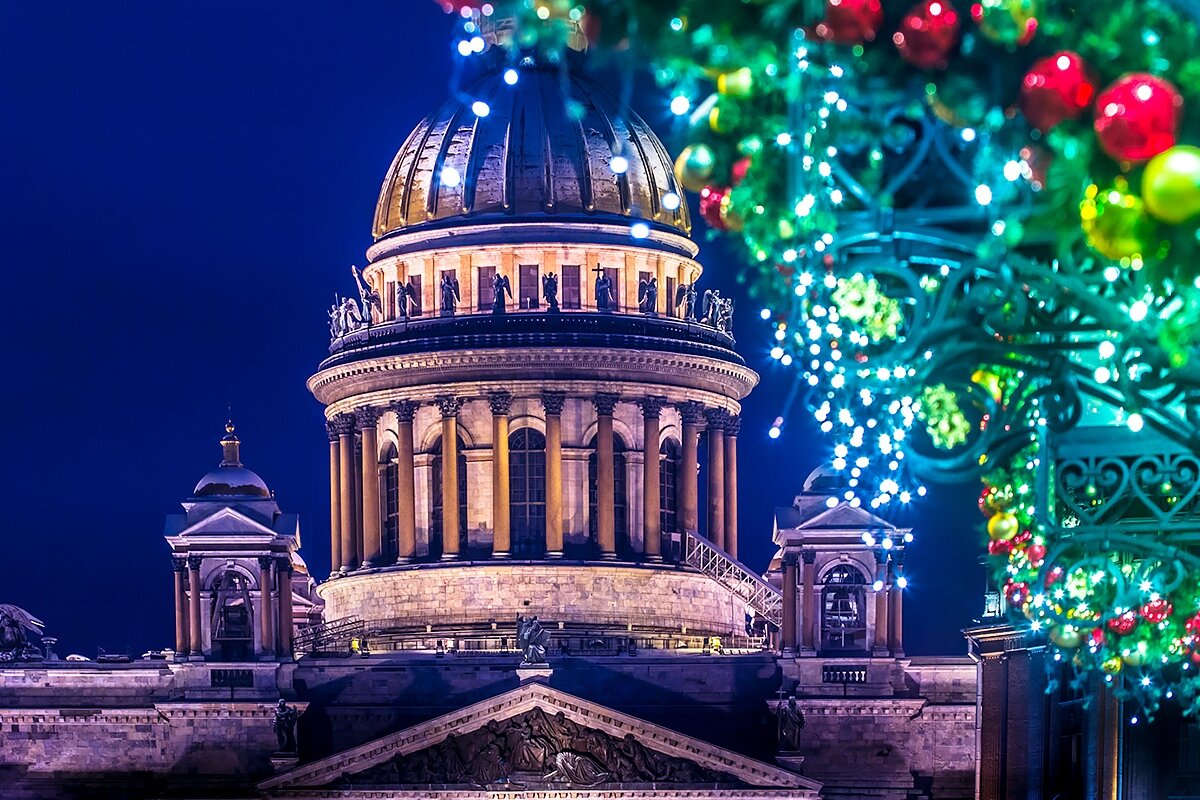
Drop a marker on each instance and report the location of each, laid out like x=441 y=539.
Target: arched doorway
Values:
x=843 y=610
x=527 y=492
x=389 y=476
x=435 y=511
x=232 y=618
x=620 y=502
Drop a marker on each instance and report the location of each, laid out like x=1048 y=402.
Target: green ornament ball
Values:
x=1171 y=184
x=694 y=166
x=1010 y=23
x=1115 y=222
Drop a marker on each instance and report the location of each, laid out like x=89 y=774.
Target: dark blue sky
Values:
x=184 y=185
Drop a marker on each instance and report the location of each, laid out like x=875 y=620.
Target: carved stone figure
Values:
x=372 y=306
x=648 y=296
x=500 y=289
x=450 y=295
x=532 y=640
x=576 y=768
x=284 y=725
x=406 y=295
x=685 y=296
x=604 y=290
x=550 y=291
x=335 y=319
x=790 y=721
x=724 y=315
x=350 y=317
x=15 y=625
x=712 y=299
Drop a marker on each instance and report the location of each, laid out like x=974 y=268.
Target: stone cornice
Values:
x=549 y=794
x=427 y=374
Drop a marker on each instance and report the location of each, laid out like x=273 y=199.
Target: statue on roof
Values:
x=450 y=294
x=648 y=296
x=604 y=290
x=685 y=296
x=532 y=640
x=500 y=288
x=372 y=306
x=344 y=317
x=550 y=290
x=406 y=300
x=15 y=626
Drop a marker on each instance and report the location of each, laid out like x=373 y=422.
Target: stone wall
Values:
x=659 y=598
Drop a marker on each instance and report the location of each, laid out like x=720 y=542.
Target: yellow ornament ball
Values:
x=990 y=381
x=694 y=166
x=1115 y=222
x=737 y=83
x=1003 y=526
x=1067 y=636
x=1112 y=665
x=1171 y=184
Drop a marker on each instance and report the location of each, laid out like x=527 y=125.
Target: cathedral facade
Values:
x=532 y=409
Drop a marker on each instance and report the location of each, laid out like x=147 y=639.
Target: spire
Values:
x=230 y=447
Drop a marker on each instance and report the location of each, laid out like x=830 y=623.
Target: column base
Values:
x=608 y=556
x=449 y=557
x=654 y=559
x=554 y=554
x=367 y=565
x=501 y=555
x=404 y=560
x=898 y=652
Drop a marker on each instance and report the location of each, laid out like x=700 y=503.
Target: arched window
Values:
x=527 y=488
x=232 y=618
x=435 y=512
x=669 y=459
x=844 y=610
x=389 y=476
x=620 y=501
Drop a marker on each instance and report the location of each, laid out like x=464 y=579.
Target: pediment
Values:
x=535 y=739
x=226 y=521
x=846 y=517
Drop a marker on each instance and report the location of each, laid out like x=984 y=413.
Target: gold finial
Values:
x=229 y=426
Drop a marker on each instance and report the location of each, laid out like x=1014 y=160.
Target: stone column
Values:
x=181 y=607
x=266 y=636
x=368 y=420
x=552 y=402
x=896 y=638
x=690 y=413
x=283 y=579
x=716 y=476
x=195 y=637
x=501 y=404
x=449 y=406
x=357 y=485
x=651 y=502
x=406 y=485
x=344 y=424
x=809 y=629
x=880 y=645
x=733 y=425
x=605 y=487
x=789 y=603
x=335 y=499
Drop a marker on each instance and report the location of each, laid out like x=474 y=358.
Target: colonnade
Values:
x=801 y=616
x=355 y=508
x=274 y=618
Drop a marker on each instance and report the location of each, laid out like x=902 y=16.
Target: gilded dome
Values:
x=542 y=151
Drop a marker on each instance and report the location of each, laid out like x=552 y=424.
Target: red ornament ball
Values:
x=1053 y=576
x=1016 y=592
x=1156 y=611
x=1036 y=554
x=1193 y=625
x=927 y=34
x=1123 y=624
x=1057 y=87
x=1096 y=638
x=999 y=547
x=737 y=173
x=1137 y=117
x=711 y=198
x=851 y=21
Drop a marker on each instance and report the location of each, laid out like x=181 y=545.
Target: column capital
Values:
x=366 y=417
x=733 y=424
x=553 y=402
x=331 y=430
x=691 y=412
x=179 y=564
x=194 y=562
x=652 y=406
x=283 y=565
x=790 y=559
x=809 y=556
x=606 y=403
x=881 y=556
x=405 y=410
x=343 y=424
x=264 y=562
x=716 y=418
x=449 y=405
x=501 y=403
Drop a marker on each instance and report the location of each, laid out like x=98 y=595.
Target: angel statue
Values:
x=724 y=311
x=648 y=296
x=335 y=319
x=372 y=306
x=712 y=301
x=406 y=299
x=532 y=640
x=500 y=288
x=15 y=625
x=685 y=296
x=351 y=318
x=604 y=290
x=450 y=295
x=550 y=290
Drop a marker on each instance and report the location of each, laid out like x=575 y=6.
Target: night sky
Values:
x=184 y=185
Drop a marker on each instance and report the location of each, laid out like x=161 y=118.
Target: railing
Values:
x=764 y=599
x=329 y=637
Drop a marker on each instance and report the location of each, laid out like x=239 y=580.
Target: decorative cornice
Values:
x=405 y=410
x=652 y=406
x=553 y=402
x=449 y=405
x=500 y=402
x=691 y=412
x=606 y=403
x=366 y=417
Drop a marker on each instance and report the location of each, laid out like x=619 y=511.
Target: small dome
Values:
x=231 y=481
x=824 y=480
x=543 y=151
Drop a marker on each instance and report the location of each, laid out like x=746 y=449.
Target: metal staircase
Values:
x=764 y=599
x=329 y=637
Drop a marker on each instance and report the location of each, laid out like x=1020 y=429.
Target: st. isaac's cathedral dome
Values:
x=543 y=151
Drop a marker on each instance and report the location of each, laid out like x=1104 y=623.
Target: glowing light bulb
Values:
x=680 y=105
x=774 y=432
x=511 y=76
x=619 y=164
x=902 y=582
x=450 y=177
x=481 y=108
x=983 y=194
x=1135 y=422
x=877 y=585
x=639 y=230
x=671 y=201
